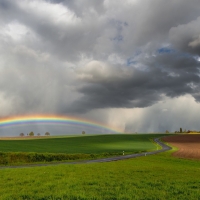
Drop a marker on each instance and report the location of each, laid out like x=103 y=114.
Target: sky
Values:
x=129 y=64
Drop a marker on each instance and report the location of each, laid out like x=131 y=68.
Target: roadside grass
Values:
x=152 y=177
x=17 y=152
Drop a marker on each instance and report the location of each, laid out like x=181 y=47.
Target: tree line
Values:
x=186 y=131
x=33 y=134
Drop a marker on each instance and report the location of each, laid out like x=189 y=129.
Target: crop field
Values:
x=82 y=144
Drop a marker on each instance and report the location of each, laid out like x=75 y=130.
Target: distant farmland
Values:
x=26 y=151
x=117 y=143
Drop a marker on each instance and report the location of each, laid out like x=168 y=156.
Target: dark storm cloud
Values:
x=67 y=29
x=187 y=36
x=171 y=74
x=89 y=29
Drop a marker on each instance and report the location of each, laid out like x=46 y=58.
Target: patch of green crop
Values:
x=152 y=177
x=85 y=144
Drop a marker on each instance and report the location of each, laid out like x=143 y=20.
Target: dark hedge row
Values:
x=8 y=158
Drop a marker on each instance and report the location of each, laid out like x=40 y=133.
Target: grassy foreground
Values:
x=152 y=177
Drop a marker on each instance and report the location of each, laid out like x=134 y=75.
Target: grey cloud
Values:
x=186 y=36
x=151 y=22
x=33 y=84
x=83 y=7
x=63 y=40
x=181 y=112
x=137 y=88
x=102 y=23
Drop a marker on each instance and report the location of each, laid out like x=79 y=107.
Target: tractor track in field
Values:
x=111 y=159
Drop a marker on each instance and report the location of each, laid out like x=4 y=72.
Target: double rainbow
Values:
x=53 y=119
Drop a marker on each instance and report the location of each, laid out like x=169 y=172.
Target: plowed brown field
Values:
x=188 y=145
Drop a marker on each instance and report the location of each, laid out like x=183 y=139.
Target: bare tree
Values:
x=83 y=132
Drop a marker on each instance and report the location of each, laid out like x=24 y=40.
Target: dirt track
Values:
x=188 y=145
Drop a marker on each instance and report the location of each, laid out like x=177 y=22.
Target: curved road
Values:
x=157 y=140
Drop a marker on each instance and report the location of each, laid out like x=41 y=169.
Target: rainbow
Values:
x=53 y=119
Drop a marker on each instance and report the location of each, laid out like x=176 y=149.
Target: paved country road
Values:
x=157 y=140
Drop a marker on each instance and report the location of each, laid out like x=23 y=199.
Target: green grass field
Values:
x=82 y=144
x=160 y=177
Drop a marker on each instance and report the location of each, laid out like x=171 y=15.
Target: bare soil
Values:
x=188 y=145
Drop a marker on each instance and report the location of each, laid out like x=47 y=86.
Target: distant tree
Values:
x=47 y=133
x=181 y=130
x=38 y=134
x=83 y=132
x=31 y=133
x=21 y=134
x=166 y=131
